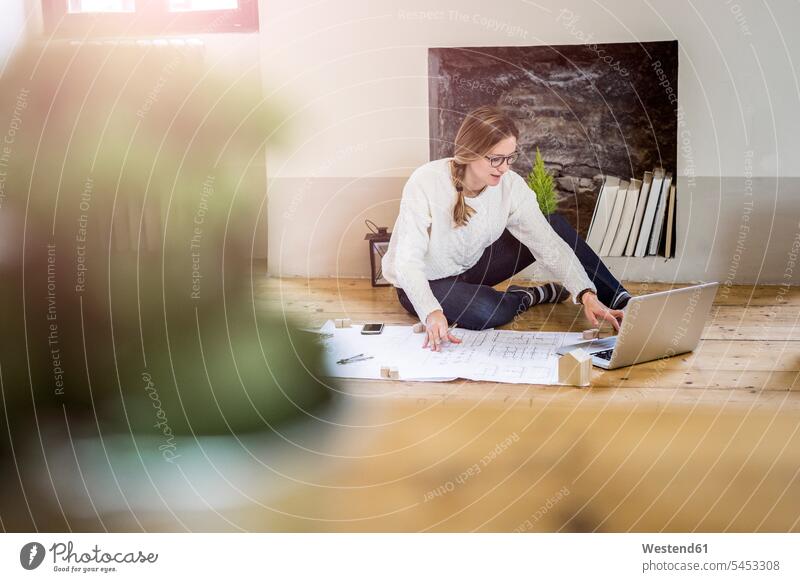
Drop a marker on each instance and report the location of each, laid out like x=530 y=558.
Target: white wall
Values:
x=20 y=18
x=354 y=75
x=357 y=71
x=11 y=26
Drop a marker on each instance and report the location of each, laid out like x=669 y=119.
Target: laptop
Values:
x=658 y=325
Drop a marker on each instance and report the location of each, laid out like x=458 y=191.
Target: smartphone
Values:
x=372 y=328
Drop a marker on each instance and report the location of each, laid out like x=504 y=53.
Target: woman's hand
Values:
x=437 y=331
x=595 y=311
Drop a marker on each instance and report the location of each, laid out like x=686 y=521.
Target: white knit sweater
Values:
x=425 y=244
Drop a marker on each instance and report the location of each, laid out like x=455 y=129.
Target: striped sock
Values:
x=621 y=300
x=547 y=293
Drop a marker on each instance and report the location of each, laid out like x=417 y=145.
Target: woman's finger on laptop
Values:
x=608 y=315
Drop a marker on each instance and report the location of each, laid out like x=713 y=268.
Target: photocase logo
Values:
x=31 y=555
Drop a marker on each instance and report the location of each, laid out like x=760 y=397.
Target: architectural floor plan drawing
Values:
x=490 y=355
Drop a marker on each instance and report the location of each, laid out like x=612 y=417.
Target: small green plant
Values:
x=541 y=182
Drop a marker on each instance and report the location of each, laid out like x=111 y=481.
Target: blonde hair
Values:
x=481 y=130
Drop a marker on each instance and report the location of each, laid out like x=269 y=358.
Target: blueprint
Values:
x=490 y=355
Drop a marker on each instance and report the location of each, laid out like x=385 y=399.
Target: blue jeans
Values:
x=470 y=301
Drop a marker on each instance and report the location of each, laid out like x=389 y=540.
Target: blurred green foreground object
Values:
x=131 y=183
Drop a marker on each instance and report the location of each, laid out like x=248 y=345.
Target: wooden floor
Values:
x=706 y=441
x=749 y=354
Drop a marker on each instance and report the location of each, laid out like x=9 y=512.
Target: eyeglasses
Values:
x=497 y=161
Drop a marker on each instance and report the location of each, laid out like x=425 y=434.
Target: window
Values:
x=148 y=17
x=188 y=5
x=86 y=6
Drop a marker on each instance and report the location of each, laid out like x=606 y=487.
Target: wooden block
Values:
x=342 y=322
x=419 y=327
x=575 y=368
x=591 y=333
x=394 y=374
x=386 y=372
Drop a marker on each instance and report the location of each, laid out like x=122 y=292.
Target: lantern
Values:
x=378 y=241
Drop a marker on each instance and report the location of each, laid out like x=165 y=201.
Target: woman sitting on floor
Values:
x=468 y=222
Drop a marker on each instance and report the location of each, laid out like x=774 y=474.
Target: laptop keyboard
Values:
x=604 y=355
